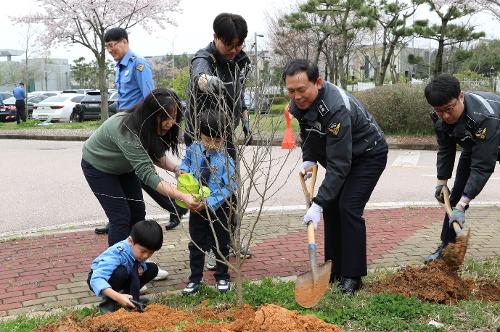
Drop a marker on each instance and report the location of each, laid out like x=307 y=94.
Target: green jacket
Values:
x=116 y=150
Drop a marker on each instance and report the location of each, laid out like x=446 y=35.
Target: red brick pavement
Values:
x=39 y=264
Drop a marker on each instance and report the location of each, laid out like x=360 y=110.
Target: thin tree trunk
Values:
x=103 y=86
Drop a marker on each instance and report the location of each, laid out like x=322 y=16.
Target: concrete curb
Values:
x=256 y=142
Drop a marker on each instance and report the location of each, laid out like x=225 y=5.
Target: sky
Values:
x=194 y=27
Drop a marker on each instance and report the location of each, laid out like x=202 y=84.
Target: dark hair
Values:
x=21 y=83
x=148 y=234
x=442 y=89
x=145 y=117
x=300 y=65
x=115 y=34
x=228 y=27
x=213 y=123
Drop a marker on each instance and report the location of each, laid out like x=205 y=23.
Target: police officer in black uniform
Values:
x=471 y=120
x=346 y=140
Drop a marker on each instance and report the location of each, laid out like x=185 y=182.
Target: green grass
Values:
x=32 y=124
x=24 y=324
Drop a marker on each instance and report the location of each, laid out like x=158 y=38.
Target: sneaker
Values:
x=191 y=288
x=244 y=252
x=211 y=260
x=436 y=254
x=223 y=285
x=162 y=274
x=143 y=290
x=108 y=305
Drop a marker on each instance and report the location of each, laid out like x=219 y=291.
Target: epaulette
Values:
x=470 y=123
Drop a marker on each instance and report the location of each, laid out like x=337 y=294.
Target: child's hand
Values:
x=140 y=270
x=124 y=300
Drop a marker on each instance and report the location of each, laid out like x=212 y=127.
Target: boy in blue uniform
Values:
x=210 y=164
x=123 y=267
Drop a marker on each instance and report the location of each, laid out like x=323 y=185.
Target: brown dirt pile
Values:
x=437 y=282
x=269 y=318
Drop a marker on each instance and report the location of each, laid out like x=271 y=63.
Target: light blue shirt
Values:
x=106 y=263
x=134 y=80
x=222 y=181
x=19 y=93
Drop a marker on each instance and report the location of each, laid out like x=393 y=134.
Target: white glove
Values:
x=303 y=169
x=313 y=214
x=208 y=83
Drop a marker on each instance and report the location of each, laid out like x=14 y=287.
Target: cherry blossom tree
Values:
x=84 y=22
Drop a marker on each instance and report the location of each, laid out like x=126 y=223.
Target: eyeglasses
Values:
x=111 y=44
x=446 y=109
x=230 y=47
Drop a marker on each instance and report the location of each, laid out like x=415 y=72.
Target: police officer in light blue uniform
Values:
x=134 y=78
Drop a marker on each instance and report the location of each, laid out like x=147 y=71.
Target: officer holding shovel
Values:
x=345 y=139
x=471 y=120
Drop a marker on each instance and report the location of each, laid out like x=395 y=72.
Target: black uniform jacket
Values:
x=232 y=72
x=335 y=130
x=478 y=133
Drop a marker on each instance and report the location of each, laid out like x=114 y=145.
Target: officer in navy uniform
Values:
x=471 y=120
x=134 y=81
x=345 y=139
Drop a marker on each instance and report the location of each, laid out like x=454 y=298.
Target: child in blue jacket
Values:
x=211 y=165
x=121 y=270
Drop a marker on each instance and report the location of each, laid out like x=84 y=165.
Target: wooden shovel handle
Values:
x=447 y=206
x=308 y=194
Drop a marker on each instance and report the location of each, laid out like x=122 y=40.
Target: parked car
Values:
x=263 y=103
x=8 y=110
x=90 y=107
x=5 y=95
x=57 y=108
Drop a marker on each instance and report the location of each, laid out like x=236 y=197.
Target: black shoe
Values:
x=436 y=254
x=350 y=285
x=102 y=230
x=108 y=305
x=191 y=288
x=173 y=222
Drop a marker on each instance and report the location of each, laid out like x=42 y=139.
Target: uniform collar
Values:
x=126 y=58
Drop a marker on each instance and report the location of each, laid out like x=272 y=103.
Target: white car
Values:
x=57 y=108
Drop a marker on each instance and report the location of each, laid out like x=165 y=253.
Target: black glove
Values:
x=247 y=132
x=439 y=193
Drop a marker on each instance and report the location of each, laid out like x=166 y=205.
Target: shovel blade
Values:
x=310 y=289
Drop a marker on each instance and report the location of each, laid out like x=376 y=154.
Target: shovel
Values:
x=455 y=252
x=310 y=286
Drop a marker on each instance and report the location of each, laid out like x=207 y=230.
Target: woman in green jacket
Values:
x=124 y=151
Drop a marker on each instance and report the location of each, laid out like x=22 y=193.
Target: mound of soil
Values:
x=269 y=318
x=439 y=281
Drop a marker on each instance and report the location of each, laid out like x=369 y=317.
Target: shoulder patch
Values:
x=119 y=248
x=334 y=128
x=481 y=133
x=139 y=67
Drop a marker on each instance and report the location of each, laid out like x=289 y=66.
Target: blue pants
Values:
x=121 y=198
x=345 y=230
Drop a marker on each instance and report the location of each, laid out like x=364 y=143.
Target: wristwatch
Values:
x=463 y=205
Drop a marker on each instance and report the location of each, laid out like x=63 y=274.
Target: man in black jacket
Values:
x=471 y=120
x=346 y=140
x=217 y=77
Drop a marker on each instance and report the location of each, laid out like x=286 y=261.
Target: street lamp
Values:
x=256 y=58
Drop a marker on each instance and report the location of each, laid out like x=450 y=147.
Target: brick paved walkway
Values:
x=50 y=271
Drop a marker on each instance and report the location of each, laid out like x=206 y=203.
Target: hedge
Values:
x=399 y=108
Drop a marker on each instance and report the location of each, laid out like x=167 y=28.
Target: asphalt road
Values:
x=42 y=185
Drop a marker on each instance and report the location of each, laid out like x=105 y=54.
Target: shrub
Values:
x=399 y=108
